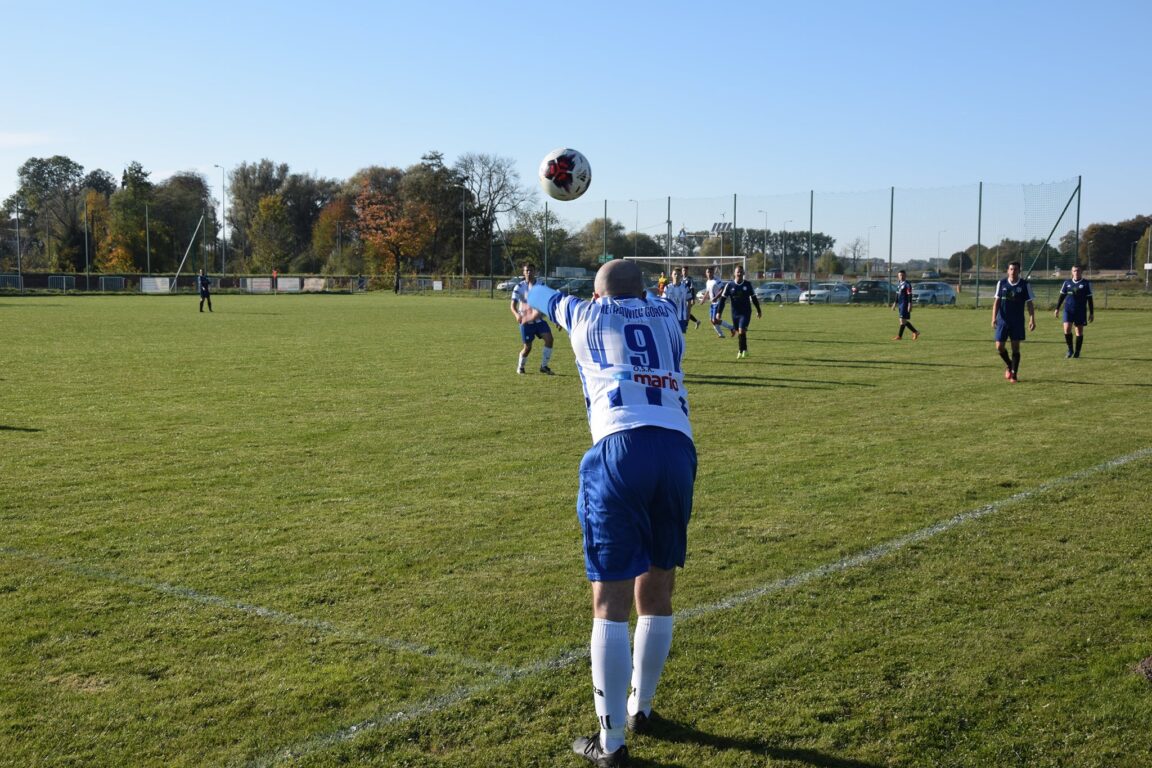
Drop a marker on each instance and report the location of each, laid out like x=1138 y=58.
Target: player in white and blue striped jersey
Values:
x=636 y=484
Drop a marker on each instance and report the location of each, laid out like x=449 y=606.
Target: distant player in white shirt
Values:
x=681 y=298
x=635 y=495
x=531 y=330
x=713 y=287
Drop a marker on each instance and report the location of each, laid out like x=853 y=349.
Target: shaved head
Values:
x=621 y=279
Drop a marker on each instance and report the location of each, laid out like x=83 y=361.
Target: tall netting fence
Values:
x=968 y=233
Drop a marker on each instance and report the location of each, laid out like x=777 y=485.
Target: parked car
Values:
x=930 y=275
x=826 y=293
x=581 y=287
x=874 y=291
x=780 y=293
x=933 y=293
x=508 y=285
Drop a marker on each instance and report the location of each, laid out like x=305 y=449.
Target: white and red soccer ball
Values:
x=565 y=174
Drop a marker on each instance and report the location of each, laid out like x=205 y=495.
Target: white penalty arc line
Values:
x=464 y=693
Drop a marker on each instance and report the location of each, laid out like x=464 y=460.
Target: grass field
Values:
x=339 y=530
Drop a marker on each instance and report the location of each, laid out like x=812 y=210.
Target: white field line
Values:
x=227 y=603
x=439 y=703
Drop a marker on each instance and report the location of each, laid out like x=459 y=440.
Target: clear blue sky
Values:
x=686 y=99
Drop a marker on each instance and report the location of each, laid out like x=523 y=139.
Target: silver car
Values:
x=826 y=293
x=780 y=293
x=933 y=293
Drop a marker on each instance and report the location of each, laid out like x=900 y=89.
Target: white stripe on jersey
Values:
x=628 y=353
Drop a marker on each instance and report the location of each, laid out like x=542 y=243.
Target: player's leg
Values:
x=651 y=642
x=615 y=475
x=1068 y=335
x=712 y=320
x=611 y=658
x=1015 y=359
x=669 y=514
x=525 y=350
x=907 y=323
x=1003 y=352
x=1079 y=339
x=546 y=355
x=740 y=330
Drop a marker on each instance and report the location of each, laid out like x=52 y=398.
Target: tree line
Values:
x=429 y=218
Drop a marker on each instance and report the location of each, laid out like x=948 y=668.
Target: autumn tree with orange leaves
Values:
x=395 y=230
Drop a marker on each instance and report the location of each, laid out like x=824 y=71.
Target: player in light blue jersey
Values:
x=530 y=330
x=1076 y=296
x=681 y=297
x=636 y=484
x=1013 y=298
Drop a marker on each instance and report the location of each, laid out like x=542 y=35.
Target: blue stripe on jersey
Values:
x=655 y=395
x=615 y=399
x=684 y=406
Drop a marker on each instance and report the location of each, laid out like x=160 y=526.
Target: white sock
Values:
x=546 y=357
x=652 y=642
x=520 y=364
x=611 y=670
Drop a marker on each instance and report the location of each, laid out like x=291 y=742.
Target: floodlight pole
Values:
x=939 y=266
x=19 y=266
x=223 y=217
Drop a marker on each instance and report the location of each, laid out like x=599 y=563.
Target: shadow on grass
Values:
x=671 y=730
x=10 y=428
x=878 y=363
x=770 y=381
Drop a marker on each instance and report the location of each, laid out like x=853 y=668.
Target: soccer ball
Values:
x=565 y=174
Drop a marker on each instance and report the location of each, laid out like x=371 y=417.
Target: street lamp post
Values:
x=635 y=228
x=223 y=217
x=939 y=265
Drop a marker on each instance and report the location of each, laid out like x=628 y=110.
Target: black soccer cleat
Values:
x=642 y=723
x=589 y=748
x=546 y=370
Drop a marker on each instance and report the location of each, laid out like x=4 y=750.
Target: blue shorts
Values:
x=1076 y=317
x=1009 y=330
x=741 y=321
x=530 y=331
x=634 y=502
x=904 y=312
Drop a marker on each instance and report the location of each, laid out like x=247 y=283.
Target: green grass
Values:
x=331 y=530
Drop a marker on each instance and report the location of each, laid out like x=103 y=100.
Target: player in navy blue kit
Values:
x=903 y=307
x=529 y=331
x=205 y=286
x=743 y=296
x=1076 y=296
x=635 y=495
x=1013 y=298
